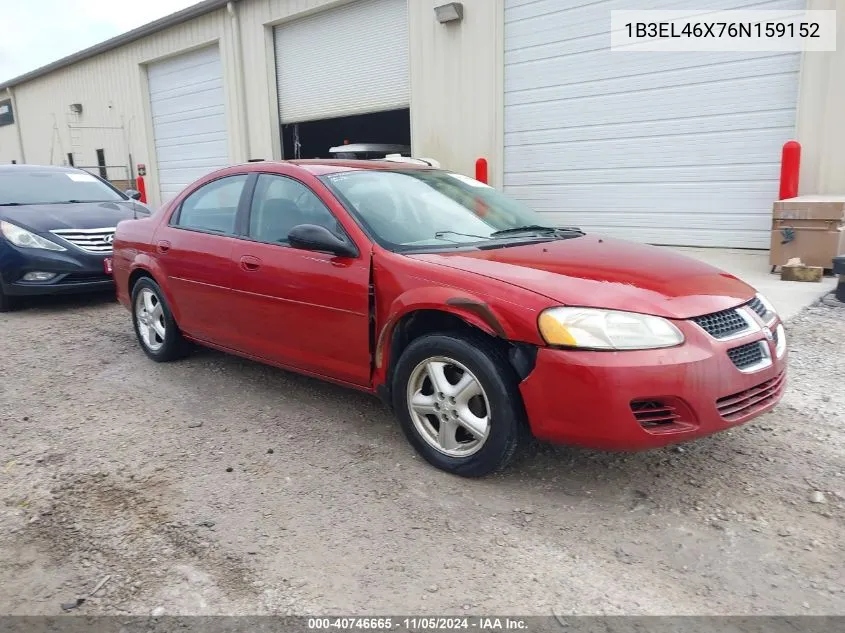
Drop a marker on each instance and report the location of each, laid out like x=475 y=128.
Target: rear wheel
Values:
x=155 y=326
x=458 y=402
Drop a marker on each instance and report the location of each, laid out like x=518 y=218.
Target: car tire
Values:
x=428 y=415
x=156 y=329
x=7 y=303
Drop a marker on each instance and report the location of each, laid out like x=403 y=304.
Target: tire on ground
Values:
x=481 y=355
x=174 y=345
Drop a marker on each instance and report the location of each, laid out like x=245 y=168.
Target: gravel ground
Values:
x=217 y=485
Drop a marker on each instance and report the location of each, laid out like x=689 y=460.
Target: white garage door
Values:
x=189 y=120
x=348 y=60
x=666 y=148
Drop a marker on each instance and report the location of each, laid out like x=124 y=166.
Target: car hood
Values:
x=81 y=215
x=599 y=272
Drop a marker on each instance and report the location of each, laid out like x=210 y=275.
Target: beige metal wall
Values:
x=821 y=112
x=456 y=92
x=456 y=85
x=112 y=90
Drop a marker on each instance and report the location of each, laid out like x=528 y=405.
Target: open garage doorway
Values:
x=314 y=138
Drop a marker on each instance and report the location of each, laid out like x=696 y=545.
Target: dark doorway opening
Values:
x=316 y=137
x=101 y=162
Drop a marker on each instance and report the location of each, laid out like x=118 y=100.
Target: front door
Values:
x=299 y=308
x=194 y=250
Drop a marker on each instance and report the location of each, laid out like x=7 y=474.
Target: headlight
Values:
x=26 y=239
x=591 y=328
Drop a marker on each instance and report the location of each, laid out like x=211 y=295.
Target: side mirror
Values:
x=311 y=237
x=133 y=193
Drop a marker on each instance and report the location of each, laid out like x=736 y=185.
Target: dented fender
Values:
x=472 y=309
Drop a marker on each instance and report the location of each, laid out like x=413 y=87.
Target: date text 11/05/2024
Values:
x=803 y=30
x=424 y=623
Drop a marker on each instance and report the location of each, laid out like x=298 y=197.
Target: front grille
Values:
x=747 y=355
x=651 y=413
x=91 y=240
x=746 y=402
x=758 y=307
x=722 y=324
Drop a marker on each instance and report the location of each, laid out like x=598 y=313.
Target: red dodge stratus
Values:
x=476 y=321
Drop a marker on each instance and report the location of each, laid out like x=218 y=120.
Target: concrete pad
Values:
x=752 y=266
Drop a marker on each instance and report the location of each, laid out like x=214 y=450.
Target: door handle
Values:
x=163 y=246
x=250 y=263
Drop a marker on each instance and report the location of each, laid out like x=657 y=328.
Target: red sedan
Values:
x=474 y=320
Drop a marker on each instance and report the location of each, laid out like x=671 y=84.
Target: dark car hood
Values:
x=607 y=273
x=82 y=215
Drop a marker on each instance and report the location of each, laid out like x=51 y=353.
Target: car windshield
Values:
x=418 y=209
x=53 y=187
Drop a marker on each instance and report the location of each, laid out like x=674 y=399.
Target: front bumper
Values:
x=76 y=271
x=595 y=399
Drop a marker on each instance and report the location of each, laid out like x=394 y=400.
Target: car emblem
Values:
x=768 y=334
x=108 y=239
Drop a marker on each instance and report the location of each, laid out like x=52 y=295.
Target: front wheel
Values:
x=458 y=402
x=7 y=303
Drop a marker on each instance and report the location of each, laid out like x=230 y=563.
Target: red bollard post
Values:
x=481 y=170
x=142 y=188
x=790 y=165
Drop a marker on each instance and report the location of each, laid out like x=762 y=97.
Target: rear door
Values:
x=299 y=308
x=195 y=250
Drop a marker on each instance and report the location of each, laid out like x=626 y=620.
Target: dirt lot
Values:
x=217 y=485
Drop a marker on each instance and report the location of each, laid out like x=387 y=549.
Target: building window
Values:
x=70 y=159
x=101 y=161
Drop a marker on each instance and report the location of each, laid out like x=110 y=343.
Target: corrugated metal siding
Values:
x=259 y=57
x=672 y=148
x=189 y=118
x=111 y=92
x=344 y=61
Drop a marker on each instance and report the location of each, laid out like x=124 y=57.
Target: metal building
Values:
x=665 y=148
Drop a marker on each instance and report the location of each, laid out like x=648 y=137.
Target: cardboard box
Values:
x=810 y=208
x=816 y=226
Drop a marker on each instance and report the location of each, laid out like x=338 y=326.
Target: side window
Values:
x=280 y=203
x=213 y=207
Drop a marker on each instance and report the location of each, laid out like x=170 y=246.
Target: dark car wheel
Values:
x=7 y=303
x=458 y=402
x=155 y=327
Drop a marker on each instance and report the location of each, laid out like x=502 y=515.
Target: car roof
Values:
x=322 y=166
x=19 y=169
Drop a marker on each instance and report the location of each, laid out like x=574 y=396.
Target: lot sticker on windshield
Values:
x=472 y=182
x=82 y=177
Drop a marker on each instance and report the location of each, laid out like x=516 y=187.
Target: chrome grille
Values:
x=761 y=310
x=91 y=240
x=724 y=324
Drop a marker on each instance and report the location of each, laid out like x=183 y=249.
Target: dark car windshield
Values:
x=52 y=187
x=418 y=209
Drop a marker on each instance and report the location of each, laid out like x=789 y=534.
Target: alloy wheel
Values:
x=149 y=315
x=448 y=406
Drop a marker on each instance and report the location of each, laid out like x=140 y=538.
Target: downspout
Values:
x=239 y=79
x=17 y=116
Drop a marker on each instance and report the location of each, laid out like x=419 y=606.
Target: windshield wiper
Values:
x=11 y=204
x=536 y=228
x=439 y=235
